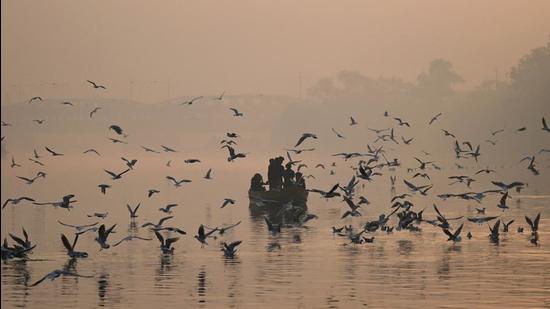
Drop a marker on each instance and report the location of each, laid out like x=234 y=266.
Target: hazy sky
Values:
x=250 y=47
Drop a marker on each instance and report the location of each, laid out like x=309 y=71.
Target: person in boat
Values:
x=257 y=183
x=288 y=176
x=271 y=174
x=300 y=181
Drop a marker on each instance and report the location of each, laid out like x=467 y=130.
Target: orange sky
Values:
x=204 y=47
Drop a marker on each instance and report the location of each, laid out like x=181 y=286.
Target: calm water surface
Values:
x=399 y=270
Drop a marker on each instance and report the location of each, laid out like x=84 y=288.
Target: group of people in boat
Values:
x=278 y=177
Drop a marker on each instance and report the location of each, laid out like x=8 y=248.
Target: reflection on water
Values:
x=305 y=266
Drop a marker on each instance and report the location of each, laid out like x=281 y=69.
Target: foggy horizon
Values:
x=187 y=48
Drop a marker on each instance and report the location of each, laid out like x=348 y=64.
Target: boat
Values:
x=273 y=200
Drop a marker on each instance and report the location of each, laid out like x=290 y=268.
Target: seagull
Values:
x=534 y=224
x=147 y=149
x=53 y=152
x=338 y=134
x=13 y=164
x=398 y=197
x=506 y=187
x=166 y=245
x=114 y=140
x=57 y=273
x=159 y=224
x=299 y=151
x=227 y=201
x=303 y=138
x=133 y=212
x=191 y=161
x=402 y=123
x=67 y=103
x=378 y=131
x=202 y=236
x=494 y=232
x=39 y=121
x=190 y=102
x=130 y=238
x=444 y=222
x=95 y=85
x=35 y=98
x=367 y=173
x=486 y=171
x=331 y=193
x=220 y=97
x=545 y=125
x=150 y=192
x=116 y=176
x=521 y=129
x=167 y=149
x=407 y=141
x=231 y=135
x=102 y=236
x=92 y=150
x=502 y=203
x=422 y=163
x=505 y=226
x=320 y=165
x=118 y=130
x=454 y=236
x=95 y=110
x=434 y=118
x=353 y=212
x=447 y=133
x=170 y=229
x=236 y=113
x=168 y=164
x=103 y=188
x=423 y=175
x=28 y=181
x=178 y=183
x=15 y=201
x=101 y=215
x=208 y=174
x=492 y=142
x=222 y=230
x=79 y=228
x=129 y=163
x=494 y=133
x=25 y=244
x=70 y=248
x=480 y=210
x=167 y=208
x=352 y=121
x=232 y=154
x=37 y=162
x=64 y=203
x=229 y=250
x=228 y=142
x=35 y=154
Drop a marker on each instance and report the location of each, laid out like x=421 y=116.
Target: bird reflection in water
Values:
x=21 y=278
x=404 y=247
x=201 y=289
x=103 y=287
x=166 y=267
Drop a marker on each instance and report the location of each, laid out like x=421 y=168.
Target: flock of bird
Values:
x=370 y=167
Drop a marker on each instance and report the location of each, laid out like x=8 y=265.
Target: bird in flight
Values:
x=70 y=247
x=95 y=110
x=167 y=149
x=92 y=150
x=220 y=97
x=35 y=99
x=103 y=188
x=232 y=154
x=15 y=201
x=167 y=208
x=39 y=121
x=337 y=134
x=13 y=163
x=434 y=118
x=166 y=245
x=190 y=102
x=118 y=130
x=352 y=121
x=303 y=138
x=115 y=176
x=236 y=112
x=95 y=85
x=133 y=212
x=178 y=183
x=545 y=125
x=208 y=174
x=53 y=152
x=227 y=201
x=56 y=274
x=67 y=103
x=147 y=149
x=150 y=192
x=401 y=122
